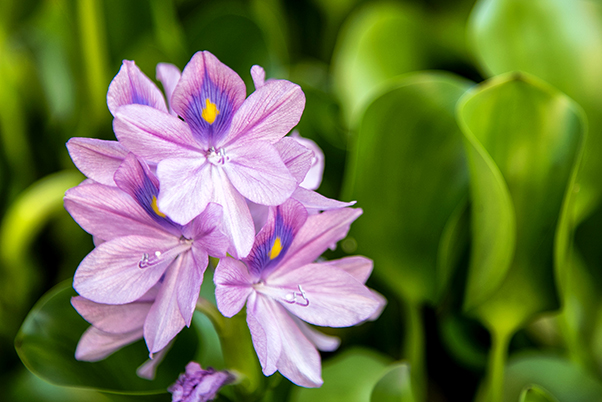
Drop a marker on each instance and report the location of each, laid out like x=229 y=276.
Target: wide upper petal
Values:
x=233 y=285
x=97 y=159
x=296 y=157
x=259 y=174
x=322 y=295
x=112 y=272
x=268 y=114
x=186 y=188
x=107 y=212
x=238 y=223
x=154 y=135
x=132 y=86
x=169 y=75
x=318 y=233
x=207 y=95
x=135 y=178
x=164 y=320
x=112 y=318
x=95 y=345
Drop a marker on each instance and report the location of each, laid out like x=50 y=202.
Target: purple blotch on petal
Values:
x=275 y=238
x=208 y=83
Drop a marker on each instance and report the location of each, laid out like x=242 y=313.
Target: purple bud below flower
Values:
x=198 y=385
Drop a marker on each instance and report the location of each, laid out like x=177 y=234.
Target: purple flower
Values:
x=198 y=385
x=225 y=149
x=142 y=248
x=113 y=327
x=99 y=159
x=284 y=289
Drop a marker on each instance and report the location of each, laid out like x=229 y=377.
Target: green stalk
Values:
x=93 y=42
x=413 y=349
x=497 y=364
x=239 y=353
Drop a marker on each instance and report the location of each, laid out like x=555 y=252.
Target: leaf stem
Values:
x=413 y=348
x=497 y=364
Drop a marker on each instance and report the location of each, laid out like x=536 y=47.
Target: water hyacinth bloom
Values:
x=224 y=150
x=198 y=385
x=143 y=248
x=284 y=289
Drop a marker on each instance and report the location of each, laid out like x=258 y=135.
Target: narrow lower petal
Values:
x=149 y=368
x=357 y=266
x=323 y=295
x=319 y=233
x=233 y=285
x=154 y=135
x=296 y=157
x=259 y=174
x=164 y=320
x=112 y=272
x=186 y=188
x=107 y=212
x=313 y=179
x=112 y=318
x=268 y=114
x=265 y=332
x=97 y=159
x=132 y=86
x=169 y=75
x=258 y=75
x=321 y=341
x=95 y=345
x=189 y=285
x=299 y=361
x=207 y=95
x=315 y=202
x=238 y=223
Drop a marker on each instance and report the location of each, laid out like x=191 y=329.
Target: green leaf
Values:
x=560 y=42
x=394 y=386
x=24 y=219
x=48 y=337
x=534 y=393
x=522 y=140
x=377 y=43
x=349 y=377
x=408 y=172
x=560 y=377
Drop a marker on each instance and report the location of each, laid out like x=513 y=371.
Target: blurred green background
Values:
x=470 y=132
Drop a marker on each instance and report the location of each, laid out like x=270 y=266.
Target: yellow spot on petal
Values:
x=210 y=111
x=276 y=249
x=156 y=208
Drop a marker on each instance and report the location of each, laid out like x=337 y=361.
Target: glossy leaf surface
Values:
x=409 y=173
x=349 y=377
x=522 y=140
x=46 y=344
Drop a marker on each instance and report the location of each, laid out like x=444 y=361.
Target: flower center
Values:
x=217 y=157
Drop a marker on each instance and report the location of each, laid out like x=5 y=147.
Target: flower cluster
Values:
x=211 y=173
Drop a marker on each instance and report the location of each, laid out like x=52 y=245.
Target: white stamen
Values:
x=292 y=298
